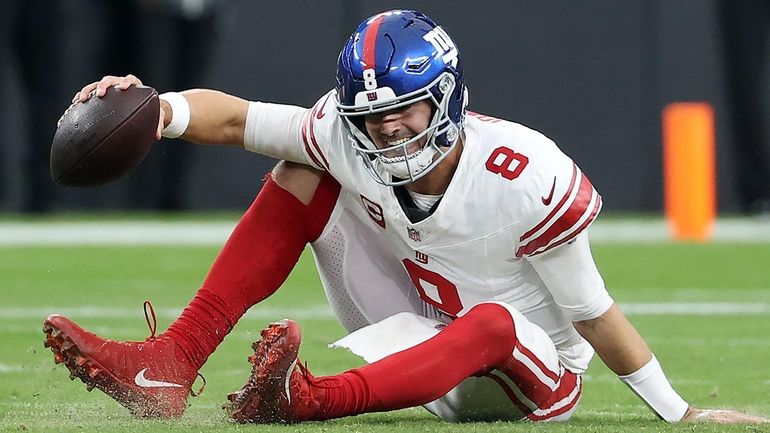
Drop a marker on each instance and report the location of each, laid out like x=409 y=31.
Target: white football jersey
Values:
x=514 y=195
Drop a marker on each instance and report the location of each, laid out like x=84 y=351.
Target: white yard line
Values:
x=114 y=233
x=752 y=230
x=319 y=311
x=695 y=308
x=322 y=311
x=6 y=368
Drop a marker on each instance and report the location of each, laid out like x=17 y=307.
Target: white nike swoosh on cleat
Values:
x=147 y=383
x=288 y=380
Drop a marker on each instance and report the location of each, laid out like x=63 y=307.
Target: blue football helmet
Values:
x=395 y=59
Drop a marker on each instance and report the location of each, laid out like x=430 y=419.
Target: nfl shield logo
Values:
x=413 y=234
x=371 y=96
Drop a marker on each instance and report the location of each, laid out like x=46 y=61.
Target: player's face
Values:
x=391 y=128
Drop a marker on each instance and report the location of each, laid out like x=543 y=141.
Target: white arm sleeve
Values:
x=275 y=130
x=651 y=384
x=570 y=274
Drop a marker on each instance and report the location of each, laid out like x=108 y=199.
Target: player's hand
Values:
x=99 y=88
x=721 y=416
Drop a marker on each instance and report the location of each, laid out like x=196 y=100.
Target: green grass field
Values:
x=713 y=359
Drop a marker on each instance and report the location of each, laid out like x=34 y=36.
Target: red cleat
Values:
x=146 y=377
x=280 y=389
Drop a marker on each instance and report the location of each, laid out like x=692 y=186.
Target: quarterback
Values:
x=453 y=247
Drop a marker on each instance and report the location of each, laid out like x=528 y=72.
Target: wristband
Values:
x=652 y=386
x=180 y=114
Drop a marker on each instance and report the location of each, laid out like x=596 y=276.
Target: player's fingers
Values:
x=128 y=81
x=106 y=82
x=724 y=416
x=85 y=92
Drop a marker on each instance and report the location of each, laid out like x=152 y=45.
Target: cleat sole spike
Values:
x=67 y=346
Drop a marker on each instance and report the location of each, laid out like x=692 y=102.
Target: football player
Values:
x=452 y=245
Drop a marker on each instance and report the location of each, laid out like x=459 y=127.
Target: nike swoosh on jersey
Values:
x=147 y=383
x=320 y=113
x=547 y=200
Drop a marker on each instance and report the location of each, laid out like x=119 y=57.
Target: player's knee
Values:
x=494 y=320
x=298 y=179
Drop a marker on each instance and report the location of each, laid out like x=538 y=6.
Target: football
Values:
x=102 y=139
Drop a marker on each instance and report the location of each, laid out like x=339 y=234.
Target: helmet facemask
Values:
x=394 y=165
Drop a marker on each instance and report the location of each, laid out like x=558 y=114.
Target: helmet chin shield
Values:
x=396 y=165
x=395 y=59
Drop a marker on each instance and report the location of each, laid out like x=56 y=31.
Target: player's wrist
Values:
x=689 y=413
x=166 y=110
x=652 y=386
x=176 y=111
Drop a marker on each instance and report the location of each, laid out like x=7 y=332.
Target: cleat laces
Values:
x=152 y=323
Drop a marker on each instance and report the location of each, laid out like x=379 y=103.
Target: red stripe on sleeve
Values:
x=556 y=208
x=370 y=40
x=582 y=227
x=325 y=162
x=306 y=142
x=576 y=209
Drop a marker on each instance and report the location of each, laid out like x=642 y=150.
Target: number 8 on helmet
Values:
x=393 y=60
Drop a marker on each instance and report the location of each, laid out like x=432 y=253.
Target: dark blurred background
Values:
x=592 y=75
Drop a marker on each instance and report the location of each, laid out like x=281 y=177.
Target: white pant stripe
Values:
x=524 y=359
x=516 y=391
x=569 y=399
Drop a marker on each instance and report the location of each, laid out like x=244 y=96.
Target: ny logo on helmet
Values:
x=443 y=44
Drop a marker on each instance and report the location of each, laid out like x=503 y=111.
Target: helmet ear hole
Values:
x=446 y=84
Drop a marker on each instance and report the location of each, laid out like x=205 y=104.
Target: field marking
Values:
x=215 y=233
x=695 y=308
x=322 y=311
x=710 y=341
x=6 y=368
x=609 y=378
x=114 y=233
x=318 y=311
